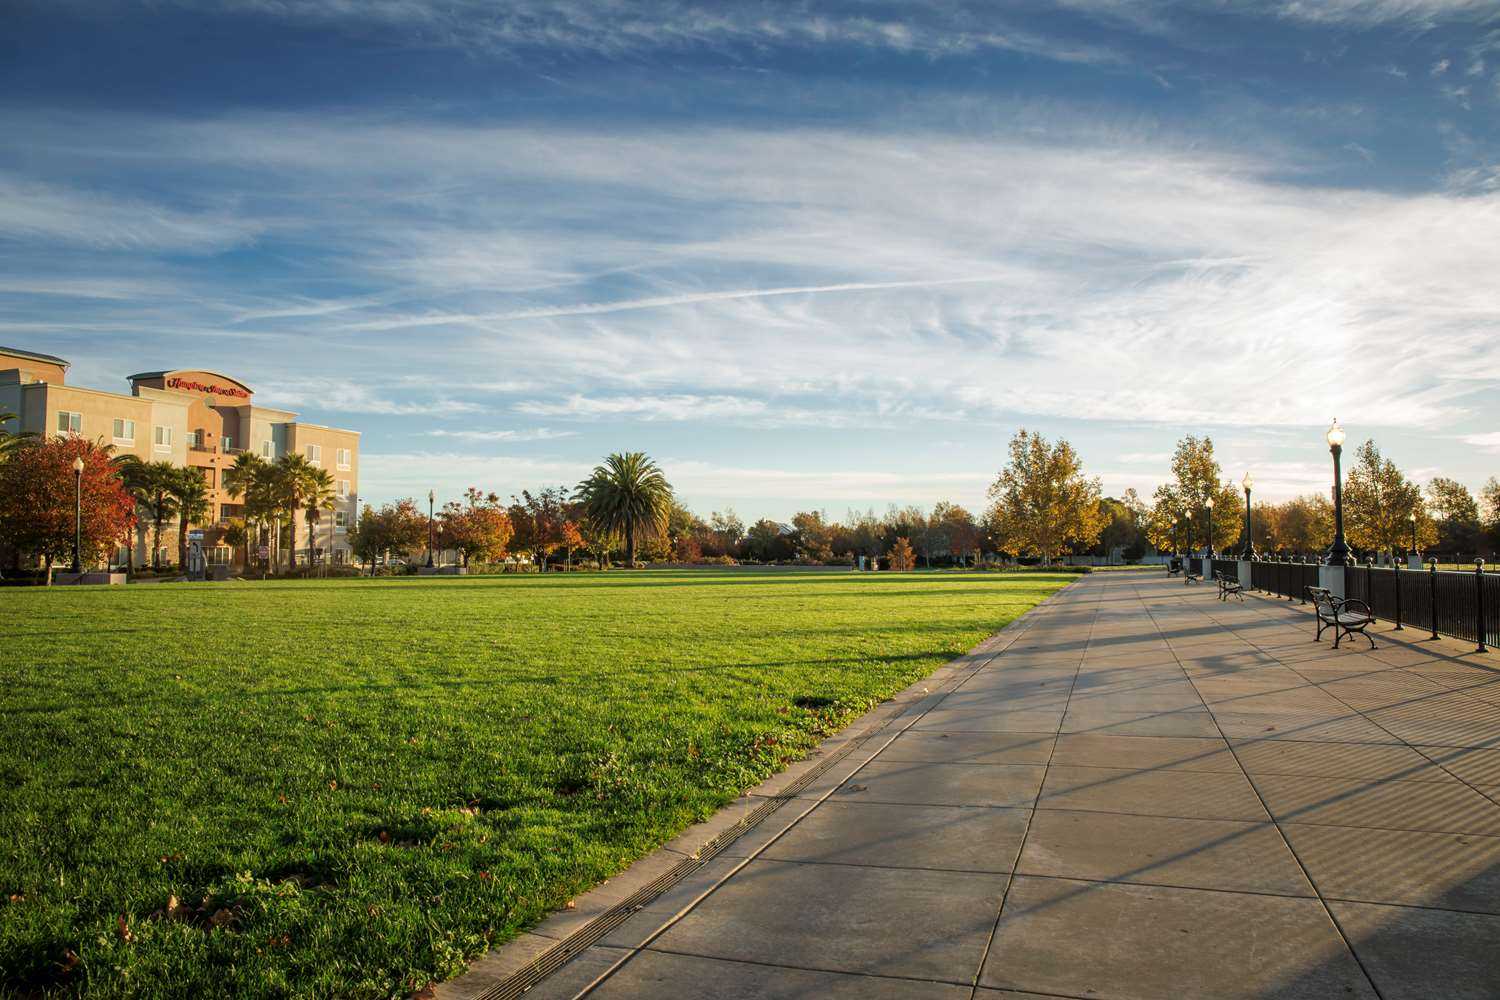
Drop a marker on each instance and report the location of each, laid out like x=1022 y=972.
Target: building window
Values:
x=69 y=423
x=340 y=520
x=220 y=555
x=343 y=489
x=343 y=458
x=195 y=439
x=315 y=454
x=162 y=438
x=267 y=449
x=228 y=443
x=125 y=430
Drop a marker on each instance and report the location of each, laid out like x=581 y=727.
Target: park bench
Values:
x=1189 y=575
x=1346 y=616
x=1174 y=567
x=1229 y=585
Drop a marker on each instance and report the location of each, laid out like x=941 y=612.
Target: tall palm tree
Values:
x=318 y=498
x=292 y=477
x=190 y=490
x=152 y=485
x=627 y=495
x=135 y=477
x=247 y=479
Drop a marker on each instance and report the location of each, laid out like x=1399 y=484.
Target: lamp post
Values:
x=78 y=514
x=1209 y=503
x=1248 y=552
x=431 y=499
x=1338 y=552
x=1174 y=536
x=1413 y=518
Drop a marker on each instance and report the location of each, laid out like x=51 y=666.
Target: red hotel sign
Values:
x=182 y=383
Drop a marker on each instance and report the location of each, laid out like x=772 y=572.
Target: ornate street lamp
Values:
x=1413 y=518
x=1338 y=552
x=77 y=514
x=431 y=499
x=1209 y=503
x=1174 y=536
x=1248 y=552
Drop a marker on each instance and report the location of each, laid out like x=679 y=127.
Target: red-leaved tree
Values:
x=37 y=497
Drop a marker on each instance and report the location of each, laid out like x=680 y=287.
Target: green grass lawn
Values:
x=348 y=788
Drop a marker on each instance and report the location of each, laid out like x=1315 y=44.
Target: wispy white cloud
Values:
x=533 y=434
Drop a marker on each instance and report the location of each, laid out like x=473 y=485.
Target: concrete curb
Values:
x=682 y=867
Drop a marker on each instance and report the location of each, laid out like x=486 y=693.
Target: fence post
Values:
x=1433 y=580
x=1479 y=604
x=1396 y=576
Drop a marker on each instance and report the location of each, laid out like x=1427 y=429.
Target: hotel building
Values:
x=189 y=417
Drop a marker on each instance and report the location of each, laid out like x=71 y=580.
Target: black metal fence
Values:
x=1285 y=579
x=1464 y=604
x=1229 y=567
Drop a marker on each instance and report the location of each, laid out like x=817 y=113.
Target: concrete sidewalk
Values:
x=1147 y=794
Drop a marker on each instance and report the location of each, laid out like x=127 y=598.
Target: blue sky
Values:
x=807 y=255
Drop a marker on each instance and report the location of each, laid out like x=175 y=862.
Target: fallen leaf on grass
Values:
x=123 y=929
x=385 y=838
x=69 y=959
x=222 y=917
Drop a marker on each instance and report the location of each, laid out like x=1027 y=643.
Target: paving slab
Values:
x=1453 y=871
x=1189 y=794
x=872 y=921
x=1136 y=942
x=931 y=784
x=1422 y=954
x=1152 y=850
x=1389 y=805
x=954 y=838
x=1145 y=753
x=970 y=748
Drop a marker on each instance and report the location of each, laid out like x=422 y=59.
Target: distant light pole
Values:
x=1413 y=518
x=78 y=514
x=1174 y=537
x=1209 y=503
x=1248 y=552
x=1338 y=552
x=431 y=499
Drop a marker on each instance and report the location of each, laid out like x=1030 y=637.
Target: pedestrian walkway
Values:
x=1144 y=793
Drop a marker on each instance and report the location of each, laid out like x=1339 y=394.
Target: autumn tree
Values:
x=1489 y=509
x=1455 y=514
x=43 y=501
x=1378 y=503
x=477 y=527
x=903 y=557
x=572 y=538
x=769 y=541
x=1042 y=502
x=726 y=531
x=1196 y=479
x=957 y=526
x=812 y=537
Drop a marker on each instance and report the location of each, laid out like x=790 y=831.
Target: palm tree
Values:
x=190 y=490
x=292 y=481
x=11 y=440
x=248 y=479
x=152 y=484
x=319 y=497
x=627 y=495
x=135 y=476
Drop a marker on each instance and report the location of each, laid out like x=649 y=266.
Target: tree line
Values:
x=1385 y=511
